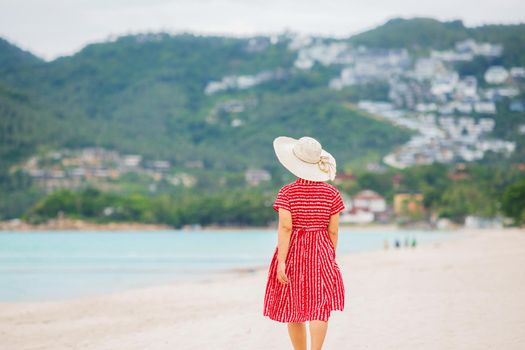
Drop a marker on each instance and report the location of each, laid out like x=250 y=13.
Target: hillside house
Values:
x=365 y=207
x=408 y=204
x=496 y=75
x=255 y=176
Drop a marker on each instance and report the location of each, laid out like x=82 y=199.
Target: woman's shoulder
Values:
x=328 y=189
x=331 y=186
x=285 y=188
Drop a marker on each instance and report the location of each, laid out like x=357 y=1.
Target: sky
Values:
x=53 y=28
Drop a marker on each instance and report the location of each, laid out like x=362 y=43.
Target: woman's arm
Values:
x=333 y=228
x=283 y=242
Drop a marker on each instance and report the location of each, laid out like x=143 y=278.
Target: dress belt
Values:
x=310 y=228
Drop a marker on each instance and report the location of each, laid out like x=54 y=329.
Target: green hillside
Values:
x=14 y=60
x=145 y=94
x=413 y=34
x=427 y=33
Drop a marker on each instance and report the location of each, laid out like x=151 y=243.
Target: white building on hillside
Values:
x=364 y=208
x=370 y=200
x=496 y=75
x=255 y=176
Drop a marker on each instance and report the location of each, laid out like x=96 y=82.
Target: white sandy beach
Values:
x=458 y=294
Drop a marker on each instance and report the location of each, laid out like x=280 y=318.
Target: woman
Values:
x=304 y=280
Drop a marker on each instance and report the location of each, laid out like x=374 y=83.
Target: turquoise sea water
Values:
x=55 y=265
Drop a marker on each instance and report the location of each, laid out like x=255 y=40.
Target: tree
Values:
x=513 y=201
x=461 y=200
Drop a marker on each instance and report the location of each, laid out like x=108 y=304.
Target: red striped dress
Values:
x=315 y=285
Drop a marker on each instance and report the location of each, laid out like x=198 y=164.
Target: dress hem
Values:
x=305 y=319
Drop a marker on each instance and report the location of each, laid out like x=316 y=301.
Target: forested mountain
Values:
x=218 y=100
x=13 y=60
x=145 y=94
x=428 y=33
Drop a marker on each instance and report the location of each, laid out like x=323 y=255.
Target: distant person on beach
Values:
x=304 y=280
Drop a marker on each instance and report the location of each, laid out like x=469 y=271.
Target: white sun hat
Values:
x=305 y=158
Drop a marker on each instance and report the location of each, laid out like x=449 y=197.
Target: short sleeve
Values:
x=337 y=204
x=281 y=201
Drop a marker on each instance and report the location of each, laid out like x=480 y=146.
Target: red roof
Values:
x=368 y=195
x=355 y=210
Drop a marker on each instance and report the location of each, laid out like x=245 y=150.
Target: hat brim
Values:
x=283 y=146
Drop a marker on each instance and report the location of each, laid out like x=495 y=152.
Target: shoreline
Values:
x=66 y=224
x=239 y=271
x=463 y=233
x=440 y=295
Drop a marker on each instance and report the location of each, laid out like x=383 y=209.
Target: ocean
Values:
x=36 y=266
